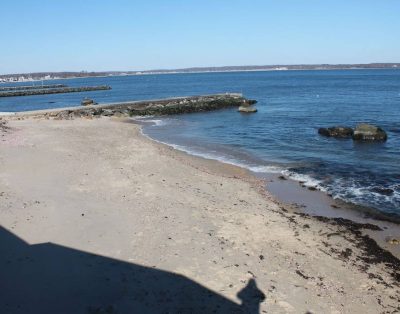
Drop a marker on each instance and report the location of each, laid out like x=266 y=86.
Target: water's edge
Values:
x=290 y=195
x=273 y=175
x=304 y=187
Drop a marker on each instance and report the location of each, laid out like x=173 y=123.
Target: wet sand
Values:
x=316 y=203
x=99 y=188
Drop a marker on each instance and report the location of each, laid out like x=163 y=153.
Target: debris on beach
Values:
x=392 y=241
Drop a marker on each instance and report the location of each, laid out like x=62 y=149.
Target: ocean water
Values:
x=282 y=137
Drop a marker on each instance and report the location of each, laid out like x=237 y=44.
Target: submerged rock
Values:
x=337 y=132
x=383 y=191
x=368 y=132
x=247 y=109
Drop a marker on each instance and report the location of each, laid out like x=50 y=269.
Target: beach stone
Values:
x=247 y=109
x=64 y=115
x=3 y=125
x=392 y=241
x=107 y=112
x=337 y=132
x=368 y=132
x=88 y=102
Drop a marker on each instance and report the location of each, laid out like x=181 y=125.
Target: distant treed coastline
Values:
x=26 y=77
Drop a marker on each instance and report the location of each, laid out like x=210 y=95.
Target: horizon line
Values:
x=208 y=68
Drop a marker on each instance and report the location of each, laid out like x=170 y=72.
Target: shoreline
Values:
x=290 y=195
x=276 y=172
x=121 y=195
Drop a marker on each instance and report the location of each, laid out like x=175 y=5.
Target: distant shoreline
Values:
x=50 y=76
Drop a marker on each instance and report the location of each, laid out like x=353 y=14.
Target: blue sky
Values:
x=95 y=35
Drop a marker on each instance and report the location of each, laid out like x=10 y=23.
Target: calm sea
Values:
x=282 y=137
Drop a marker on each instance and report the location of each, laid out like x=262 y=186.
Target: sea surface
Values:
x=282 y=137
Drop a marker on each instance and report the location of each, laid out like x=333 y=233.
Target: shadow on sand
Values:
x=49 y=278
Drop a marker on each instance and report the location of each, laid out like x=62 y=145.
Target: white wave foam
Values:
x=339 y=188
x=354 y=192
x=221 y=158
x=266 y=169
x=7 y=113
x=156 y=122
x=306 y=179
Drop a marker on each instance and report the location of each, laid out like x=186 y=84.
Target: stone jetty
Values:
x=30 y=87
x=47 y=91
x=158 y=107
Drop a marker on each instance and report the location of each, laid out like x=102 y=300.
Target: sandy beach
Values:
x=96 y=218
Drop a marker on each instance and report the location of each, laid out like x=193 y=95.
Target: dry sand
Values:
x=98 y=219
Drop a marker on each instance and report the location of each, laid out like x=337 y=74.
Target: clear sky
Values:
x=96 y=35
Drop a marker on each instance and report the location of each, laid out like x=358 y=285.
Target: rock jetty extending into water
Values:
x=159 y=107
x=63 y=90
x=29 y=87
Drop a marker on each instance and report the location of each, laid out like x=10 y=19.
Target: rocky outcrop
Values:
x=368 y=132
x=337 y=132
x=363 y=132
x=170 y=106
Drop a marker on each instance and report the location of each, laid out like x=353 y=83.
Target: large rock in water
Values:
x=368 y=132
x=247 y=109
x=337 y=132
x=88 y=102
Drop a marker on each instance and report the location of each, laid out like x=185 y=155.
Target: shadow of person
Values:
x=251 y=297
x=49 y=278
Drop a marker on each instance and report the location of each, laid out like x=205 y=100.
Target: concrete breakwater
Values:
x=62 y=90
x=169 y=106
x=30 y=87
